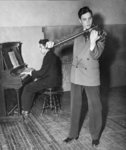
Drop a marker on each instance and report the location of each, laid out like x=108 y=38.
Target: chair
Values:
x=51 y=99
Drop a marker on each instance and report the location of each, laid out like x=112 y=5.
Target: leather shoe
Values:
x=25 y=113
x=68 y=139
x=95 y=143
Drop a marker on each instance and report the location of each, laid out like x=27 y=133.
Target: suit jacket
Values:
x=50 y=74
x=85 y=65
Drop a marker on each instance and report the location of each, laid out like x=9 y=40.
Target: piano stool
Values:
x=51 y=99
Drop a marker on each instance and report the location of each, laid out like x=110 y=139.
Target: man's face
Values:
x=43 y=49
x=86 y=20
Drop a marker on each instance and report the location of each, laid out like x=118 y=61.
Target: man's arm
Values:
x=44 y=69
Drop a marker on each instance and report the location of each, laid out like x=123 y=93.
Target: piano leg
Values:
x=18 y=106
x=10 y=115
x=18 y=102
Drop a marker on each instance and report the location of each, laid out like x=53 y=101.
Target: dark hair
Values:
x=84 y=10
x=43 y=41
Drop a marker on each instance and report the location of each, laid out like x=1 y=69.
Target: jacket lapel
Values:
x=84 y=46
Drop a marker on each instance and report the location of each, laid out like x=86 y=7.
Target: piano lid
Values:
x=12 y=55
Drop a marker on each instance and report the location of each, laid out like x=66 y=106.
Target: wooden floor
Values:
x=46 y=132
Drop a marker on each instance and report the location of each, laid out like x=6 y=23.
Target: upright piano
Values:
x=11 y=67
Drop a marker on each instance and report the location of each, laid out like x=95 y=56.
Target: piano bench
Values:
x=51 y=99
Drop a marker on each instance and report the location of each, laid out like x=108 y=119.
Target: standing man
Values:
x=85 y=76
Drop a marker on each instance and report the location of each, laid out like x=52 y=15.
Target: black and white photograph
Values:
x=62 y=75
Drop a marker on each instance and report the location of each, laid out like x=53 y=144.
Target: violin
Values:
x=86 y=33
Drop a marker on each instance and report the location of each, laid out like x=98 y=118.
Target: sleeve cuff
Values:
x=92 y=46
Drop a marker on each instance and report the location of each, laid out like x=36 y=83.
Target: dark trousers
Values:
x=94 y=109
x=29 y=92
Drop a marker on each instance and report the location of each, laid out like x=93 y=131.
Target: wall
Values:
x=44 y=13
x=23 y=21
x=29 y=36
x=113 y=60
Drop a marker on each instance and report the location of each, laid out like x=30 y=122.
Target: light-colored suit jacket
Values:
x=85 y=65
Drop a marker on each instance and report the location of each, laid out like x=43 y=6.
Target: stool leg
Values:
x=55 y=104
x=51 y=101
x=48 y=102
x=59 y=101
x=45 y=104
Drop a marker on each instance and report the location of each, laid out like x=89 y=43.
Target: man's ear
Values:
x=80 y=21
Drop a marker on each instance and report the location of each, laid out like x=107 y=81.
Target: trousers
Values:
x=94 y=110
x=29 y=92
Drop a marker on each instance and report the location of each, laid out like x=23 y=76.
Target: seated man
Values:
x=49 y=75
